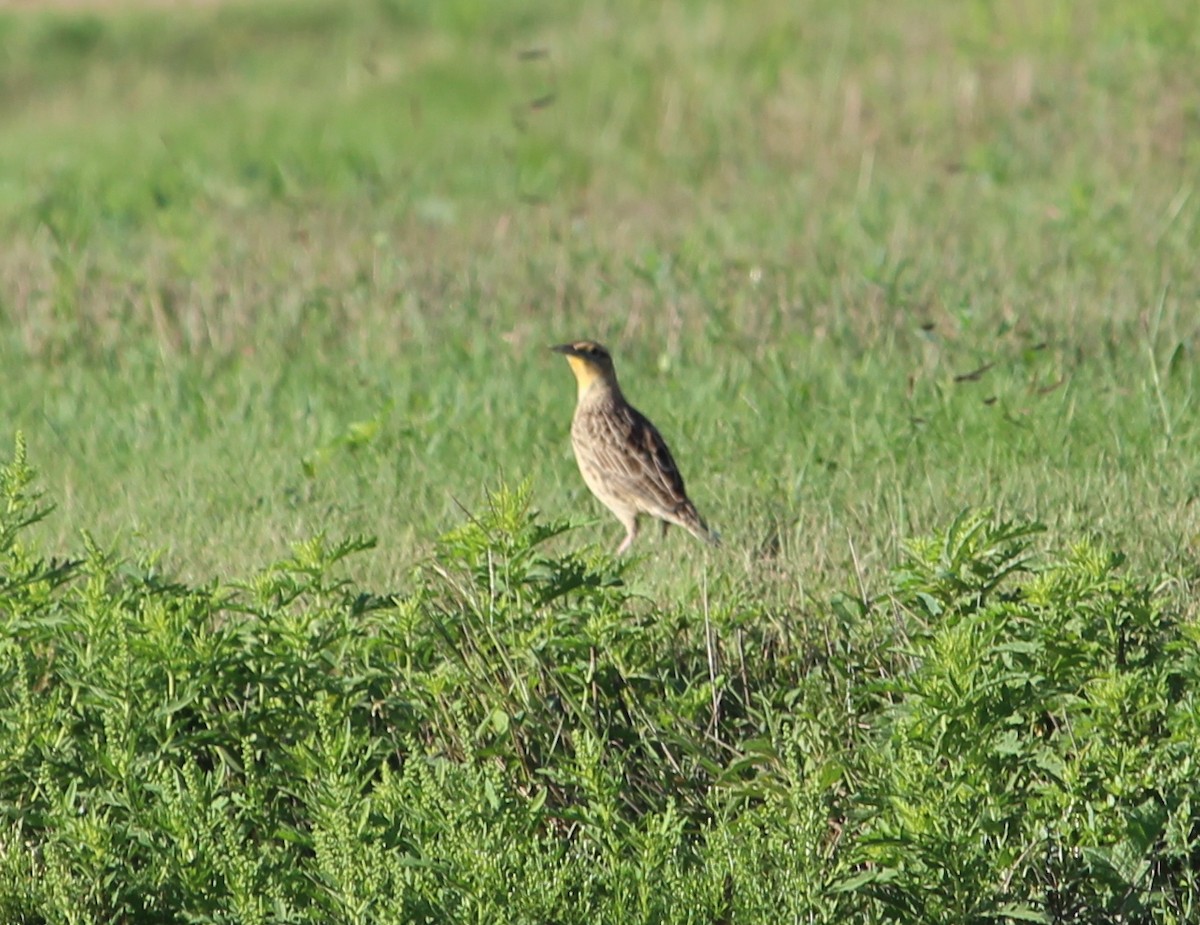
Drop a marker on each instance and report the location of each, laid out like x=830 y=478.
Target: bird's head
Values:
x=590 y=363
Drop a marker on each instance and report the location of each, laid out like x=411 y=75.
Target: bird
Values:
x=621 y=455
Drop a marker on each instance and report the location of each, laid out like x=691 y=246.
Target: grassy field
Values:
x=323 y=625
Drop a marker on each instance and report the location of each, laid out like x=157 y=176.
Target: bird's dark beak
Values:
x=568 y=349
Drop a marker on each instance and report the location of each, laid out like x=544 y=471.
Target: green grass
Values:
x=275 y=271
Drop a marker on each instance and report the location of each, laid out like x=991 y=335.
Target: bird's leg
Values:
x=631 y=529
x=666 y=524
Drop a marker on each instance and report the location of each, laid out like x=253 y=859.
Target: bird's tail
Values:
x=690 y=520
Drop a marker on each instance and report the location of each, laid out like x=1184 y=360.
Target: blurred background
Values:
x=273 y=268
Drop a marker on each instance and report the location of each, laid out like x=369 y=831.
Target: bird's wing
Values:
x=636 y=458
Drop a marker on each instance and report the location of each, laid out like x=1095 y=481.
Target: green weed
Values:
x=1004 y=732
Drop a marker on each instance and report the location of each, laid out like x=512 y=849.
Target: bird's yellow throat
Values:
x=586 y=373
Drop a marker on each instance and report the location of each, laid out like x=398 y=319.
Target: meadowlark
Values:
x=622 y=457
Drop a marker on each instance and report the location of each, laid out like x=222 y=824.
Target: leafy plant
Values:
x=1033 y=762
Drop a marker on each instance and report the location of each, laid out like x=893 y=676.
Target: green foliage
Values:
x=1035 y=762
x=517 y=733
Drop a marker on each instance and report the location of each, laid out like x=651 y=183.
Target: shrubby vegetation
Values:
x=1007 y=732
